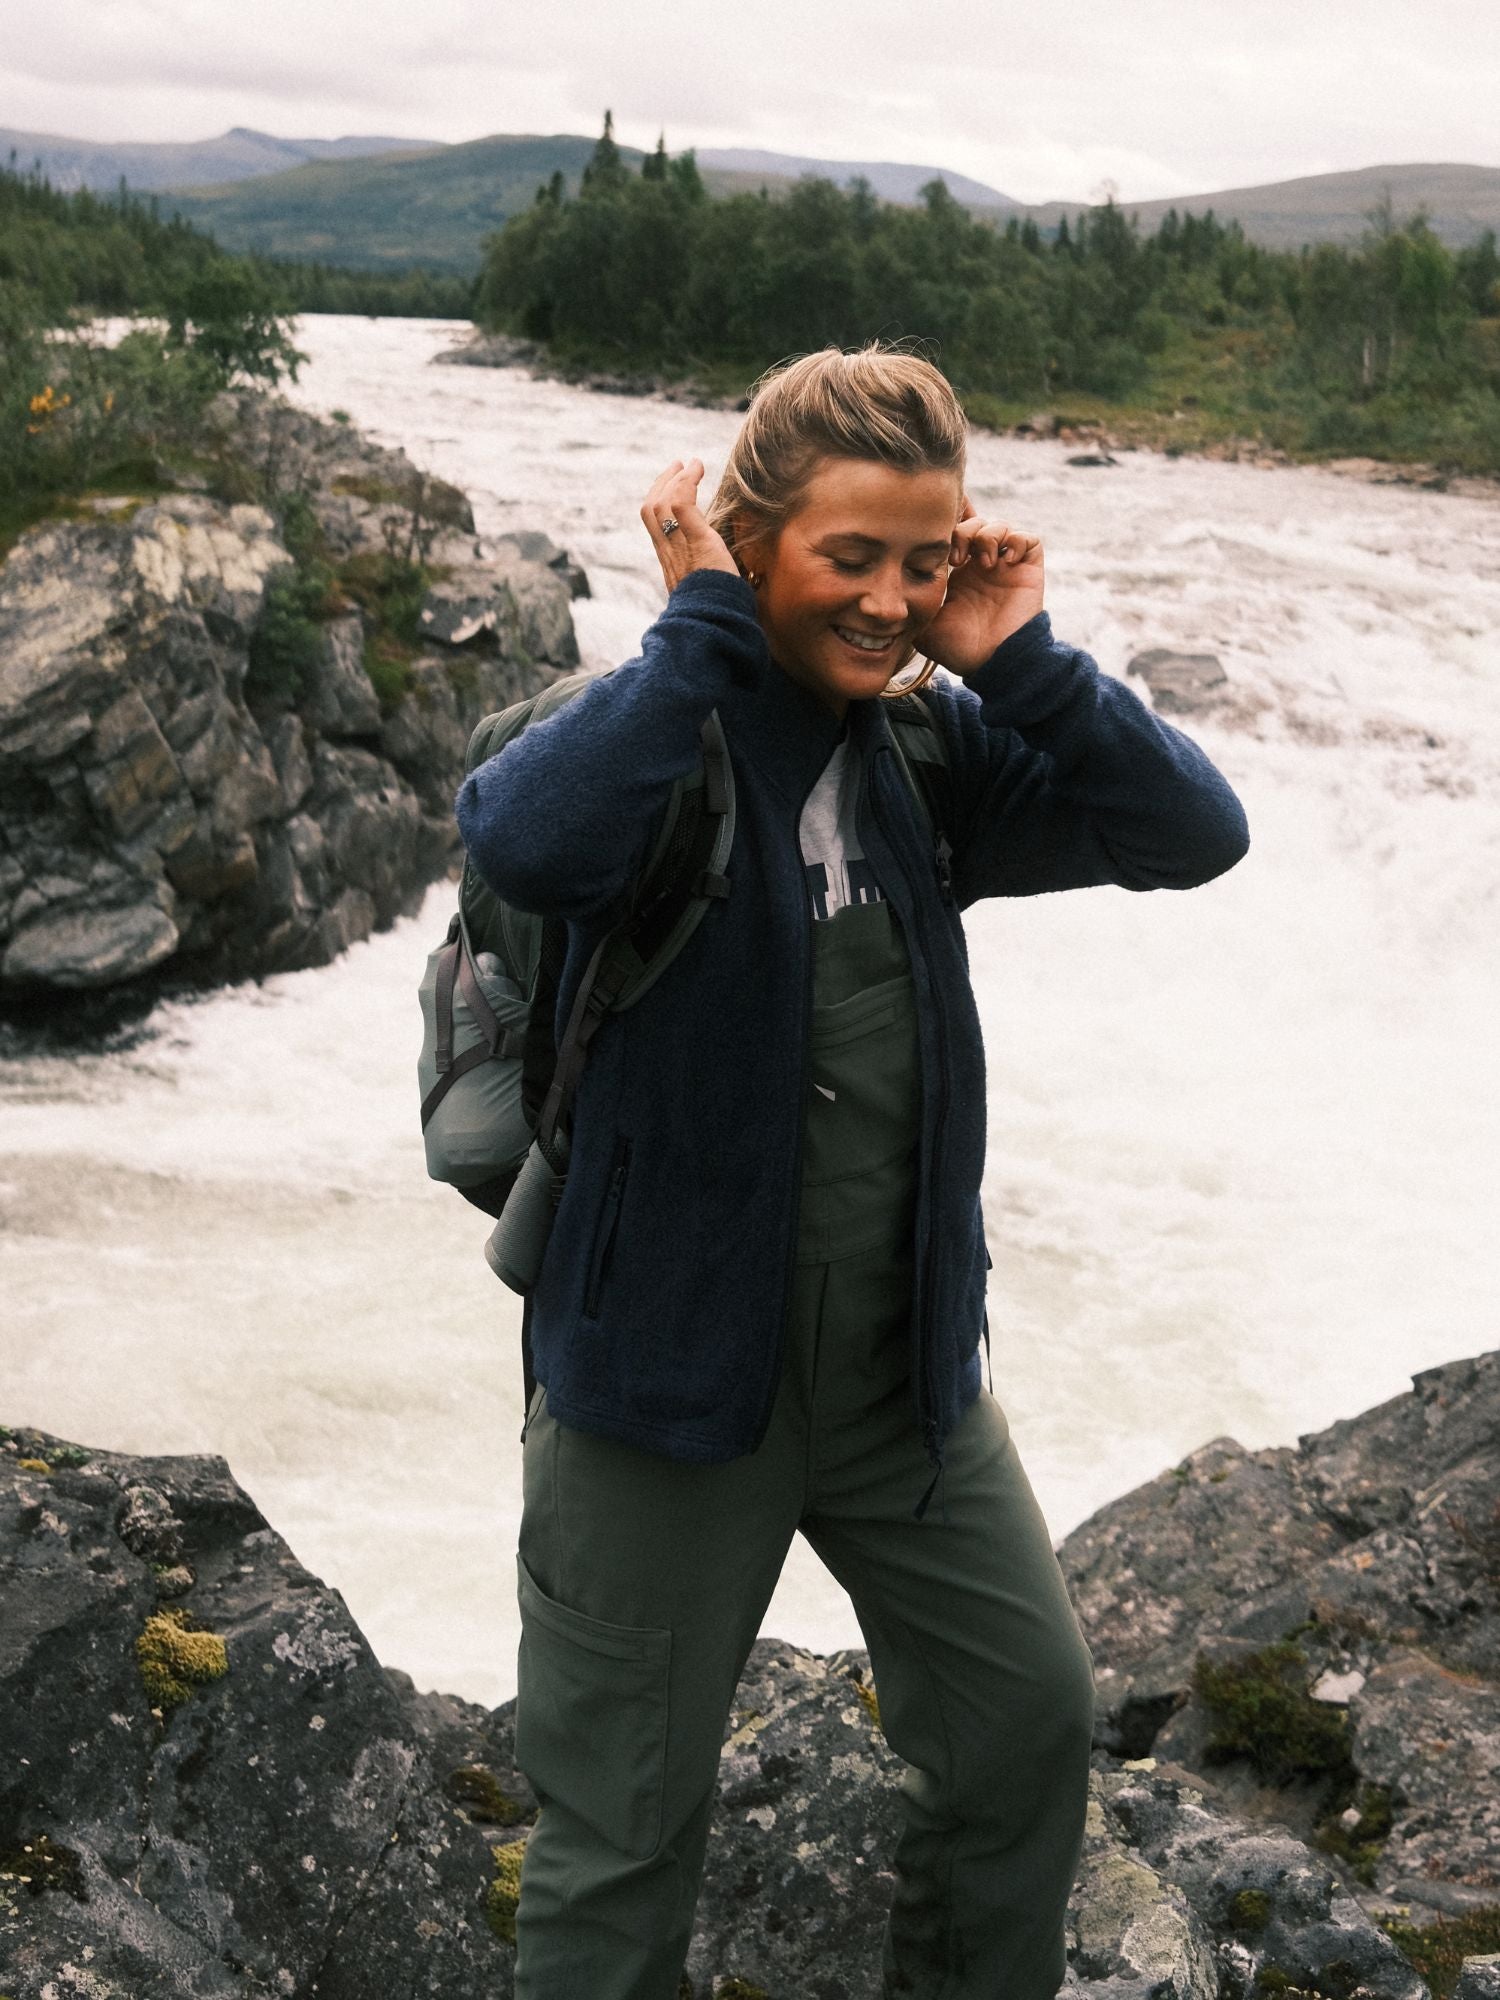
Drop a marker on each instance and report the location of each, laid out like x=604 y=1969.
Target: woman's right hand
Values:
x=693 y=544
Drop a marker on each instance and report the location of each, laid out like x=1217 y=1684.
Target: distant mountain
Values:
x=432 y=208
x=237 y=155
x=435 y=207
x=1462 y=202
x=889 y=181
x=371 y=203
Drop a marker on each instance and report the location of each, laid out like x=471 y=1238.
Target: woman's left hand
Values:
x=995 y=585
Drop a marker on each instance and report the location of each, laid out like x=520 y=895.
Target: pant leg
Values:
x=642 y=1582
x=983 y=1677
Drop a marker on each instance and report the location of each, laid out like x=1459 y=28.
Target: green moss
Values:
x=738 y=1989
x=1263 y=1711
x=288 y=640
x=389 y=666
x=41 y=1864
x=1437 y=1951
x=504 y=1892
x=1337 y=1979
x=1250 y=1910
x=1359 y=1845
x=175 y=1657
x=868 y=1696
x=33 y=1465
x=479 y=1792
x=366 y=486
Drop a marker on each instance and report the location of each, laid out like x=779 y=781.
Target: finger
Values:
x=963 y=536
x=682 y=489
x=986 y=542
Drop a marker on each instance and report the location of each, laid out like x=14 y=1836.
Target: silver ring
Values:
x=669 y=526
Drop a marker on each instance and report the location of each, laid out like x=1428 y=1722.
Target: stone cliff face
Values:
x=212 y=1787
x=169 y=813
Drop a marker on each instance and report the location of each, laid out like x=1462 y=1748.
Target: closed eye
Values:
x=853 y=569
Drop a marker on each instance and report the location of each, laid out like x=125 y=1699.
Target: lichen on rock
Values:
x=176 y=1658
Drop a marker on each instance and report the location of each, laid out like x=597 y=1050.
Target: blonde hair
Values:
x=879 y=402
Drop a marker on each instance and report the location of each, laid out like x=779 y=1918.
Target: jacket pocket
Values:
x=591 y=1716
x=606 y=1229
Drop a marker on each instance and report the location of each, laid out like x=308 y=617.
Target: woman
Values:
x=761 y=1304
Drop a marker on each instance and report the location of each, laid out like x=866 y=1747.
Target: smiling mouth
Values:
x=867 y=642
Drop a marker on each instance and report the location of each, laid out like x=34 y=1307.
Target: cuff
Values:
x=1027 y=673
x=725 y=605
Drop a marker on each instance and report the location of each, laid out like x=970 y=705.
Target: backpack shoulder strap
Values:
x=922 y=751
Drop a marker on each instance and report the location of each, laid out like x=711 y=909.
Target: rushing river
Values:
x=1243 y=1141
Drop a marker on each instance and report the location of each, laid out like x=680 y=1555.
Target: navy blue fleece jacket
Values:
x=660 y=1311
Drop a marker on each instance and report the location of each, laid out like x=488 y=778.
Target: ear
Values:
x=751 y=549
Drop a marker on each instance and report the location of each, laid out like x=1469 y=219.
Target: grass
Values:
x=1437 y=1950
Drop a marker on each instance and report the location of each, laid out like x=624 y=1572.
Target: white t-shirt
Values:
x=836 y=871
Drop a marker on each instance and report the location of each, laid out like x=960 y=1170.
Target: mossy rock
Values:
x=871 y=1701
x=480 y=1794
x=176 y=1657
x=1437 y=1950
x=1358 y=1845
x=504 y=1892
x=1263 y=1710
x=1250 y=1910
x=42 y=1864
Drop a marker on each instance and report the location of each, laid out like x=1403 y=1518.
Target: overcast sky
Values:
x=1160 y=97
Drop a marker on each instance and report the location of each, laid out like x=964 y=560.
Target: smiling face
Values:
x=855 y=574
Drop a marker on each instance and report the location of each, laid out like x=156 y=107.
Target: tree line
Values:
x=76 y=411
x=1381 y=344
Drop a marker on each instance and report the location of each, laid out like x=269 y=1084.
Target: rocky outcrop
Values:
x=198 y=778
x=1315 y=1632
x=215 y=1789
x=478 y=349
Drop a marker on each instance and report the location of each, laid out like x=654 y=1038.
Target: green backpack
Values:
x=497 y=1086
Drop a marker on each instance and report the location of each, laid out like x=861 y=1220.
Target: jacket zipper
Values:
x=791 y=1255
x=943 y=873
x=609 y=1221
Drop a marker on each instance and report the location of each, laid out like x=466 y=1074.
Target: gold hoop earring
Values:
x=890 y=693
x=755 y=581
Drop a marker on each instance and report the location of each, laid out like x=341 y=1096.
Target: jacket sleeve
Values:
x=1065 y=778
x=560 y=821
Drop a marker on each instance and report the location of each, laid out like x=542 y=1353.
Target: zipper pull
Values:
x=944 y=868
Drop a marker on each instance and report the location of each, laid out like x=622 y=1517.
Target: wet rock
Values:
x=1479 y=1979
x=74 y=947
x=168 y=819
x=534 y=547
x=1196 y=684
x=1367 y=1559
x=273 y=1824
x=339 y=699
x=291 y=1814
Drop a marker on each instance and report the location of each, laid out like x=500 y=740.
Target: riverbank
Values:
x=1293 y=1785
x=1184 y=430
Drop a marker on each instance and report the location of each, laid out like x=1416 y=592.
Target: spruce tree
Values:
x=605 y=170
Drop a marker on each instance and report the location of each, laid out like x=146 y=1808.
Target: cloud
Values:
x=1166 y=97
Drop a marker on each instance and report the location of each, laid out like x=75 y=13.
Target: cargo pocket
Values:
x=591 y=1716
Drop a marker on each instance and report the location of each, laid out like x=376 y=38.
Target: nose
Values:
x=884 y=599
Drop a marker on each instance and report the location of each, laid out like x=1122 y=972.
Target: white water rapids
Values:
x=1243 y=1140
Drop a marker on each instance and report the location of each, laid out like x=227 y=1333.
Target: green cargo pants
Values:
x=643 y=1582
